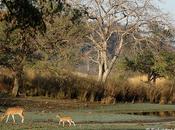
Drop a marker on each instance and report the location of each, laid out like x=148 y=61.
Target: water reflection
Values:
x=159 y=113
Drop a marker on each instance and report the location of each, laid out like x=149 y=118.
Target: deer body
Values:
x=65 y=119
x=13 y=111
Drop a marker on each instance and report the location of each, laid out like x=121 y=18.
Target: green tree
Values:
x=66 y=31
x=19 y=28
x=24 y=34
x=155 y=66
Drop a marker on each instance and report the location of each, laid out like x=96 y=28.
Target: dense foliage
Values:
x=155 y=66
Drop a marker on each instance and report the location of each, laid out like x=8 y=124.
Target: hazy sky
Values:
x=169 y=7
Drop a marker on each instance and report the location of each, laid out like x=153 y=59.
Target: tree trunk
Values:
x=15 y=87
x=108 y=70
x=100 y=72
x=152 y=78
x=103 y=72
x=149 y=77
x=105 y=67
x=88 y=65
x=105 y=75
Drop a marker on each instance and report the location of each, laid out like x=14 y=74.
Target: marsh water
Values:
x=157 y=113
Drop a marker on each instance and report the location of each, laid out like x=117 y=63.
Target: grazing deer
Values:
x=13 y=111
x=65 y=119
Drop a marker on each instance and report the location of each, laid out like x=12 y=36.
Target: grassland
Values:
x=91 y=116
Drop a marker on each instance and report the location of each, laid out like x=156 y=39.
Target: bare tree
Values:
x=118 y=23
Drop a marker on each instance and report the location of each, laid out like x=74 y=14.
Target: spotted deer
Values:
x=64 y=119
x=11 y=111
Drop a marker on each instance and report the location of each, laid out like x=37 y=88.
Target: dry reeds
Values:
x=68 y=86
x=62 y=86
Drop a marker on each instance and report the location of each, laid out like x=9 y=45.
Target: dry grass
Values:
x=141 y=79
x=65 y=85
x=62 y=85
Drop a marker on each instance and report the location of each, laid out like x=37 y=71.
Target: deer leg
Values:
x=22 y=118
x=63 y=123
x=13 y=118
x=73 y=122
x=59 y=122
x=7 y=118
x=69 y=123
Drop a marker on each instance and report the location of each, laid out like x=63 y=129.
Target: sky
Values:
x=168 y=6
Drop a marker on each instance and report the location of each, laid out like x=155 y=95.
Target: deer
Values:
x=64 y=119
x=13 y=111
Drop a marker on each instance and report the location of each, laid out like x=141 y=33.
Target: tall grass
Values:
x=64 y=85
x=136 y=89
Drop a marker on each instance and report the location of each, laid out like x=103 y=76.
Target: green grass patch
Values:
x=101 y=117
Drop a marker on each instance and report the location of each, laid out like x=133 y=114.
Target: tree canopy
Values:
x=31 y=27
x=155 y=66
x=117 y=24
